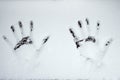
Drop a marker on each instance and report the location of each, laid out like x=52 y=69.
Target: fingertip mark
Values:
x=98 y=26
x=31 y=25
x=71 y=31
x=31 y=22
x=46 y=39
x=108 y=42
x=12 y=28
x=20 y=24
x=87 y=21
x=79 y=23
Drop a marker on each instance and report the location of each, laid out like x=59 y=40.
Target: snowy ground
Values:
x=58 y=58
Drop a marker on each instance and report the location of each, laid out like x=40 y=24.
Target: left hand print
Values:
x=25 y=40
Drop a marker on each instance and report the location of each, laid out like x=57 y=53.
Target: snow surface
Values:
x=58 y=58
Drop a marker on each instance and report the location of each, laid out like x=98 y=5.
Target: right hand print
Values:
x=24 y=40
x=89 y=44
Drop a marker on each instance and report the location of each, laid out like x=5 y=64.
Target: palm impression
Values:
x=88 y=44
x=25 y=40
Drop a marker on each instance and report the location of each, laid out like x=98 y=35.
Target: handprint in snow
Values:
x=25 y=40
x=89 y=44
